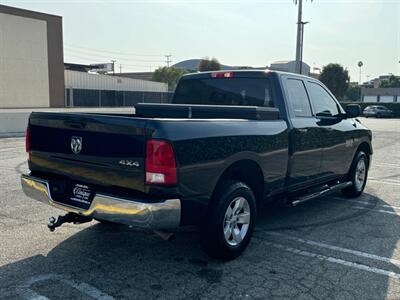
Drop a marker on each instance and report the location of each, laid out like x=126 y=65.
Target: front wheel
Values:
x=228 y=228
x=358 y=176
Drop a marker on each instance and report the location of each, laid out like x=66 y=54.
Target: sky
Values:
x=138 y=34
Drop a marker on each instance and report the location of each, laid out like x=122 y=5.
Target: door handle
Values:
x=302 y=130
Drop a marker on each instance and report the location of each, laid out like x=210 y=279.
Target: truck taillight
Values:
x=28 y=141
x=160 y=163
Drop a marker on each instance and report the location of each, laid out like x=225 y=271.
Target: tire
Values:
x=231 y=200
x=358 y=175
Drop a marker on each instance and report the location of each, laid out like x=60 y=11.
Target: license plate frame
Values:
x=81 y=195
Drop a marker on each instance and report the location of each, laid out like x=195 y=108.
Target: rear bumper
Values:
x=160 y=215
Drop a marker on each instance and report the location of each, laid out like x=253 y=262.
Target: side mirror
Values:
x=353 y=110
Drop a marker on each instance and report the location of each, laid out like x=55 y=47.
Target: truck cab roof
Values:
x=242 y=73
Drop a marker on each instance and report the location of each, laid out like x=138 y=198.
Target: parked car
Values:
x=378 y=111
x=229 y=141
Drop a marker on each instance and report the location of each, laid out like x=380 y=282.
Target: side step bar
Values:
x=325 y=191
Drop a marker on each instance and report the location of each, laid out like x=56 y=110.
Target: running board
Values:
x=323 y=192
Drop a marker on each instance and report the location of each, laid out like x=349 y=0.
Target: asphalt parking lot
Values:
x=328 y=248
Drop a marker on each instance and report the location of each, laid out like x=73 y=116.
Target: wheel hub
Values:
x=236 y=221
x=360 y=174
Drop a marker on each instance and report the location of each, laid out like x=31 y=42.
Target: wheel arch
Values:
x=247 y=171
x=365 y=147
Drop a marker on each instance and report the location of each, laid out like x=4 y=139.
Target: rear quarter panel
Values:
x=204 y=149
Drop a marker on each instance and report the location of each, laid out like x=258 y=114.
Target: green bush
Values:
x=393 y=106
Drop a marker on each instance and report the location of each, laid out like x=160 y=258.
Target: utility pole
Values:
x=120 y=68
x=299 y=37
x=301 y=46
x=168 y=61
x=113 y=66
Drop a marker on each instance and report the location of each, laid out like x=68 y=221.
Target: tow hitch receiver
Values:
x=55 y=222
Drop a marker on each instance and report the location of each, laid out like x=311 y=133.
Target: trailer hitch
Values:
x=55 y=222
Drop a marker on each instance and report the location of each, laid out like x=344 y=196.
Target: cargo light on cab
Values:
x=160 y=163
x=222 y=75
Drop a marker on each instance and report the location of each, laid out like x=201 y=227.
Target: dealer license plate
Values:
x=81 y=194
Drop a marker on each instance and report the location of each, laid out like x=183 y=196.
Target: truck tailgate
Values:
x=97 y=149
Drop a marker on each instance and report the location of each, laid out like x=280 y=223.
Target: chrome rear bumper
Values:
x=160 y=215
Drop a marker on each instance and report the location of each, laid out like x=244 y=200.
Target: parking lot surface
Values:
x=328 y=248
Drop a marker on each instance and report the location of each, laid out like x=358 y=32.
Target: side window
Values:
x=298 y=98
x=322 y=102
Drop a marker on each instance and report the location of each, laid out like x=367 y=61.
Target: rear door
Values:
x=305 y=137
x=337 y=132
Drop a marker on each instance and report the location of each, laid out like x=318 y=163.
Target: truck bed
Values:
x=195 y=111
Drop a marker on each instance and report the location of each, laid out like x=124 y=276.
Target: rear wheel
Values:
x=358 y=176
x=230 y=221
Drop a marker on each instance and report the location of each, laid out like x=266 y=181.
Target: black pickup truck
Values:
x=228 y=141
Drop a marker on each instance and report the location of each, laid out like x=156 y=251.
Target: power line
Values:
x=90 y=60
x=112 y=52
x=95 y=55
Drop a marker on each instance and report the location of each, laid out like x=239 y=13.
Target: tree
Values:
x=209 y=65
x=168 y=75
x=392 y=82
x=336 y=78
x=353 y=92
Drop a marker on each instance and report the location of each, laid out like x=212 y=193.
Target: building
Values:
x=289 y=66
x=372 y=92
x=94 y=90
x=381 y=95
x=33 y=74
x=138 y=75
x=31 y=59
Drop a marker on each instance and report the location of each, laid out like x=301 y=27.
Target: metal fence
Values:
x=112 y=98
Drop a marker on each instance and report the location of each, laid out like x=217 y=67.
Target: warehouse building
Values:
x=85 y=89
x=32 y=73
x=381 y=95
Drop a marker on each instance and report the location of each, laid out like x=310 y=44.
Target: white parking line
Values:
x=25 y=291
x=386 y=181
x=336 y=260
x=366 y=203
x=376 y=210
x=336 y=248
x=386 y=165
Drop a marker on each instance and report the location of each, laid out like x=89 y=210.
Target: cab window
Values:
x=322 y=103
x=224 y=91
x=298 y=99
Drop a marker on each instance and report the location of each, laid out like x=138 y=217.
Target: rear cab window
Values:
x=240 y=91
x=298 y=100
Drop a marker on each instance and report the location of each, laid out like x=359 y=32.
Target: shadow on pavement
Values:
x=135 y=264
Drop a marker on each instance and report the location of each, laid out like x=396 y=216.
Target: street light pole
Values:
x=301 y=46
x=360 y=64
x=300 y=33
x=299 y=37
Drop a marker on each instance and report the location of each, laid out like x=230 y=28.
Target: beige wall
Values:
x=24 y=79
